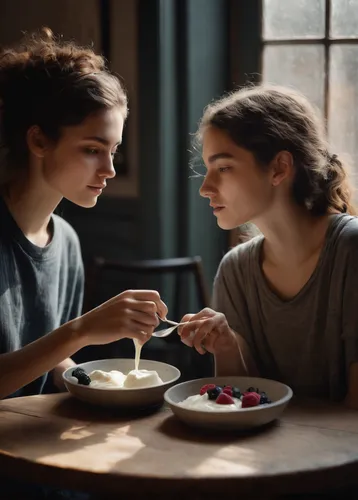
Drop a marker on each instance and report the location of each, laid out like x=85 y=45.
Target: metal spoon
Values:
x=167 y=331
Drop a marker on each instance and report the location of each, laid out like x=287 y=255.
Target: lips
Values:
x=96 y=190
x=216 y=208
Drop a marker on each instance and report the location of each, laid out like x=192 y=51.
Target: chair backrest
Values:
x=178 y=266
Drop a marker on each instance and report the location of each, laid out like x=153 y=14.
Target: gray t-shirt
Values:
x=40 y=288
x=307 y=342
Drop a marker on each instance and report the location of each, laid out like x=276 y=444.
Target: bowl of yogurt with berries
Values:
x=118 y=382
x=228 y=402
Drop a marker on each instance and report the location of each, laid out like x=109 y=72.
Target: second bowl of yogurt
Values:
x=192 y=404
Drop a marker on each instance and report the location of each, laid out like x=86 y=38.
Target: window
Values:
x=312 y=45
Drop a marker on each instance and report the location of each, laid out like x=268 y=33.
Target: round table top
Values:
x=66 y=442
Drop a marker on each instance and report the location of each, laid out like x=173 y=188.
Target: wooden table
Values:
x=67 y=443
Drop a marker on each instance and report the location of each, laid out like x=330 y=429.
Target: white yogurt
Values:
x=142 y=378
x=135 y=379
x=203 y=403
x=116 y=379
x=103 y=380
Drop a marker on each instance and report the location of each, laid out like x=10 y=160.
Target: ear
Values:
x=37 y=142
x=282 y=167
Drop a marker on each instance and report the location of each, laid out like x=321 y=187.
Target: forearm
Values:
x=58 y=371
x=236 y=362
x=21 y=367
x=63 y=365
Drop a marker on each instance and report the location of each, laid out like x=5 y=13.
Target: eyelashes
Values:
x=96 y=151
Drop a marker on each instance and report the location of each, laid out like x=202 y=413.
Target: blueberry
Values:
x=251 y=389
x=214 y=393
x=81 y=376
x=236 y=392
x=264 y=400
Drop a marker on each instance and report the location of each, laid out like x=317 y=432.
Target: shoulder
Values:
x=342 y=246
x=345 y=234
x=241 y=255
x=237 y=267
x=68 y=236
x=65 y=228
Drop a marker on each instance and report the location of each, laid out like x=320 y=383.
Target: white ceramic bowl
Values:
x=124 y=398
x=241 y=419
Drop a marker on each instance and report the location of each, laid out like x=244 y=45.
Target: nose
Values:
x=107 y=170
x=207 y=188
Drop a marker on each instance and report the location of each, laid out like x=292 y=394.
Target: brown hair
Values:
x=53 y=84
x=268 y=119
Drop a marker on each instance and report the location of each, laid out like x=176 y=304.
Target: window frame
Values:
x=247 y=49
x=251 y=13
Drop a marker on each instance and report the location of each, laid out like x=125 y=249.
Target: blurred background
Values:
x=175 y=56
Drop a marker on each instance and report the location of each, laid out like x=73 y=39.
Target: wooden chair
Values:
x=179 y=267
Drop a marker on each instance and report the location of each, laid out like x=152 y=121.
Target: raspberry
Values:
x=205 y=388
x=224 y=399
x=251 y=392
x=250 y=399
x=228 y=390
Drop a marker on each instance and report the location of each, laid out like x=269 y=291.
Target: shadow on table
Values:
x=176 y=429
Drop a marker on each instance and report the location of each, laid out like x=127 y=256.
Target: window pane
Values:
x=292 y=19
x=298 y=66
x=343 y=100
x=344 y=19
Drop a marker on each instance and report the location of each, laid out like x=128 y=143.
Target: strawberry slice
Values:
x=224 y=399
x=206 y=387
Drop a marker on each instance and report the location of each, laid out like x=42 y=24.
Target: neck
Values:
x=32 y=203
x=292 y=235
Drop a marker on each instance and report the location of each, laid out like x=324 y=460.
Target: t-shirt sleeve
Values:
x=77 y=302
x=350 y=305
x=75 y=278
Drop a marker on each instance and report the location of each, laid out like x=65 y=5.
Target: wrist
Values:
x=228 y=343
x=75 y=334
